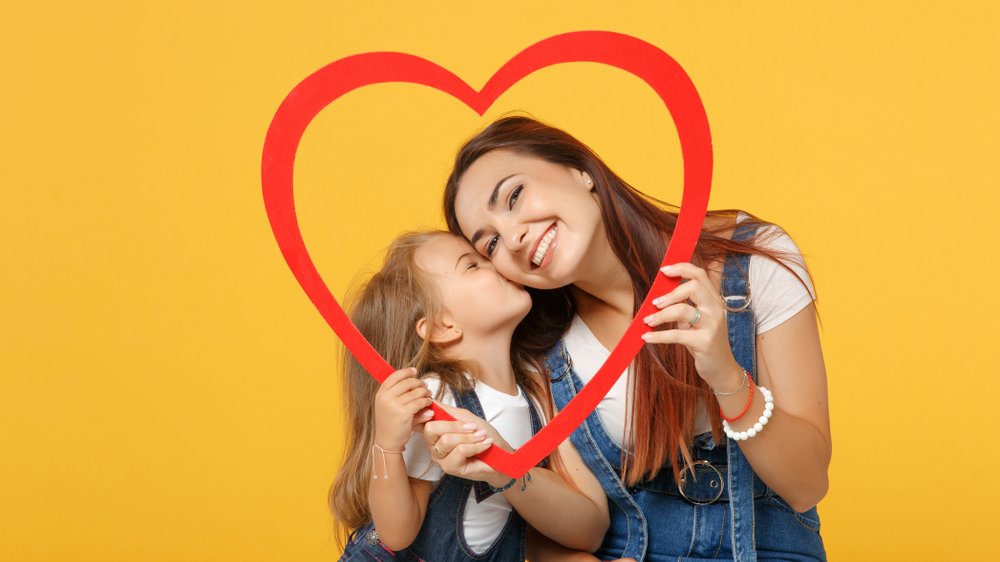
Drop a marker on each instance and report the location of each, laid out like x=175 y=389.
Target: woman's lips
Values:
x=544 y=248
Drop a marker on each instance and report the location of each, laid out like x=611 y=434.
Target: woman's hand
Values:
x=454 y=445
x=398 y=405
x=708 y=338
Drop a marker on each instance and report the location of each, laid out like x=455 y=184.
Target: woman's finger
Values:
x=449 y=441
x=679 y=312
x=681 y=293
x=433 y=430
x=459 y=456
x=682 y=337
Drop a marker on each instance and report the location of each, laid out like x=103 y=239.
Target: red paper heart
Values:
x=646 y=61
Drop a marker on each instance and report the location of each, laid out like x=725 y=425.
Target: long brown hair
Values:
x=638 y=227
x=386 y=310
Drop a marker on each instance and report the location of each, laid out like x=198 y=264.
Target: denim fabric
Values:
x=652 y=521
x=442 y=536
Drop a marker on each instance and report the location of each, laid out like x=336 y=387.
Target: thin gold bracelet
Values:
x=746 y=377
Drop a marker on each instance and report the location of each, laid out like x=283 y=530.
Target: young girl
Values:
x=437 y=307
x=697 y=461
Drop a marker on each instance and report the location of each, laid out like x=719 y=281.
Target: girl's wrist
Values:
x=388 y=444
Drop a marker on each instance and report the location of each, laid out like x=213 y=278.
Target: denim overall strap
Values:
x=742 y=340
x=624 y=509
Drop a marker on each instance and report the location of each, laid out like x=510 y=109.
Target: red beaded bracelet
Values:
x=745 y=408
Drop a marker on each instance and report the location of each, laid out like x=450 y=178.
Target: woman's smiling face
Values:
x=533 y=219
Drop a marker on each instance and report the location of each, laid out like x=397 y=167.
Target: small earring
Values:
x=590 y=182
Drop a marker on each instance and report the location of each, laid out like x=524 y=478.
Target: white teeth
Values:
x=543 y=246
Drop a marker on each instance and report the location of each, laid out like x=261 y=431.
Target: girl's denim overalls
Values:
x=442 y=536
x=726 y=512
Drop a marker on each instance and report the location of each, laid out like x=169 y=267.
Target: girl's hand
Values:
x=454 y=445
x=398 y=405
x=708 y=338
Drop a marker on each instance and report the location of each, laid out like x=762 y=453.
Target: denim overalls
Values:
x=723 y=510
x=442 y=536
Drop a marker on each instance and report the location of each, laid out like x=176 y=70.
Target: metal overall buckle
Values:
x=717 y=483
x=372 y=537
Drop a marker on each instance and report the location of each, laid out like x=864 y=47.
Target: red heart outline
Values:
x=644 y=60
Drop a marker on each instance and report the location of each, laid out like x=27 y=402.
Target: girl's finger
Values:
x=399 y=375
x=415 y=406
x=414 y=394
x=404 y=386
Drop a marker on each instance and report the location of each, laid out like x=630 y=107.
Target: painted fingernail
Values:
x=469 y=426
x=488 y=441
x=480 y=433
x=427 y=414
x=647 y=335
x=657 y=301
x=648 y=319
x=668 y=269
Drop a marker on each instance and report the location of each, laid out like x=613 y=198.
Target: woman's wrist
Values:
x=732 y=380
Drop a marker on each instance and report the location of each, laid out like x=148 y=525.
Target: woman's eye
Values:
x=513 y=196
x=491 y=245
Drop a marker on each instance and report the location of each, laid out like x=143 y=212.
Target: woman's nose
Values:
x=517 y=240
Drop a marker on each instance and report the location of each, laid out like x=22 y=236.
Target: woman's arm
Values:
x=792 y=453
x=546 y=499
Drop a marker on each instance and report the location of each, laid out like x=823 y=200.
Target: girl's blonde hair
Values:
x=386 y=310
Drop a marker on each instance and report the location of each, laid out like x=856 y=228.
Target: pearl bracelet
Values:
x=757 y=427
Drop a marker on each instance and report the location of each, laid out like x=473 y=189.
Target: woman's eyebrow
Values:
x=496 y=193
x=491 y=204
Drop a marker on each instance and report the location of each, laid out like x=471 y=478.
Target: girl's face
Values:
x=476 y=298
x=533 y=219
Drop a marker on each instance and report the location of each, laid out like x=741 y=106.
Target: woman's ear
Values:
x=442 y=333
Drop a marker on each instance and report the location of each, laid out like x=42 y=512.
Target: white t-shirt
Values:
x=512 y=419
x=776 y=296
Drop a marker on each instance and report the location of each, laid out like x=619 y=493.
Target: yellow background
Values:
x=169 y=393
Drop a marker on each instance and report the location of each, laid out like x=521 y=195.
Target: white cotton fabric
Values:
x=777 y=296
x=511 y=417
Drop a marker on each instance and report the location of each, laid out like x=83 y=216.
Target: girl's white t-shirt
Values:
x=777 y=296
x=512 y=419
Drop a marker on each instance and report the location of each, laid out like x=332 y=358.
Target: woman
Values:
x=552 y=216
